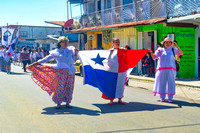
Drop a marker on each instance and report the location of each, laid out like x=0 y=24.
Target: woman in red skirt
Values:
x=58 y=79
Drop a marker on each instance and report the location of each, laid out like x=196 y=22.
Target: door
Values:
x=99 y=41
x=132 y=42
x=199 y=59
x=150 y=42
x=119 y=34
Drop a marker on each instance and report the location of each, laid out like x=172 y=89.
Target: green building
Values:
x=149 y=35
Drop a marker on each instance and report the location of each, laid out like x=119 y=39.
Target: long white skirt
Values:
x=165 y=82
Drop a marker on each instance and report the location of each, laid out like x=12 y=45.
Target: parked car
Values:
x=78 y=66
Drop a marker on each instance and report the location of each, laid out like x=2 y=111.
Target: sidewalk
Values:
x=189 y=88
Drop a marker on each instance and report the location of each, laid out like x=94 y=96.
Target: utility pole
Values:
x=71 y=10
x=67 y=11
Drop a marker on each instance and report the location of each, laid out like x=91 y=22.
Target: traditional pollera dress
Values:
x=165 y=72
x=58 y=79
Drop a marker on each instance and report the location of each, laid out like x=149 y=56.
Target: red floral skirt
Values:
x=56 y=82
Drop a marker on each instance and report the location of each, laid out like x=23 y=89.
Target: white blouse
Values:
x=65 y=59
x=166 y=58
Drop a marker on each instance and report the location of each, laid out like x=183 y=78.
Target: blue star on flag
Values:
x=98 y=60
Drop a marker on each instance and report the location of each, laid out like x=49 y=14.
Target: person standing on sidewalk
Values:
x=166 y=69
x=148 y=65
x=127 y=48
x=177 y=58
x=57 y=80
x=24 y=58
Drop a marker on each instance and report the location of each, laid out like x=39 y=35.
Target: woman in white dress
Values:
x=166 y=69
x=57 y=80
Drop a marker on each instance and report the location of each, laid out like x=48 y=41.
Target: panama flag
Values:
x=107 y=69
x=7 y=34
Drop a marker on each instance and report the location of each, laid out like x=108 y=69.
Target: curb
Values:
x=153 y=80
x=187 y=89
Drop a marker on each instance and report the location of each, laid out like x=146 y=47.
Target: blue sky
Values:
x=34 y=12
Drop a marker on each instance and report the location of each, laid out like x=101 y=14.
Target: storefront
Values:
x=148 y=36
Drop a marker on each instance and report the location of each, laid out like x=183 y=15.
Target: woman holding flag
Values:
x=57 y=80
x=116 y=44
x=108 y=70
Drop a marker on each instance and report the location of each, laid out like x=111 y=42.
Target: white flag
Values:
x=7 y=34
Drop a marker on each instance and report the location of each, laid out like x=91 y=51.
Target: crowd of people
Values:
x=19 y=57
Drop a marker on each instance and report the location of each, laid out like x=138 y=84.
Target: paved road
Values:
x=25 y=108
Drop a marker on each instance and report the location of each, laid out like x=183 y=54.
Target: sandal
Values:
x=58 y=106
x=68 y=106
x=169 y=100
x=162 y=100
x=110 y=103
x=120 y=102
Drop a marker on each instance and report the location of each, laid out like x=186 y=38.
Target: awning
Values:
x=189 y=19
x=115 y=26
x=59 y=23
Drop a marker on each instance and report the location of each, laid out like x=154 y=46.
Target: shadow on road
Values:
x=184 y=103
x=116 y=108
x=130 y=107
x=73 y=110
x=14 y=73
x=153 y=128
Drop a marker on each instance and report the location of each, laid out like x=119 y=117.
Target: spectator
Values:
x=39 y=54
x=129 y=71
x=24 y=58
x=148 y=65
x=177 y=58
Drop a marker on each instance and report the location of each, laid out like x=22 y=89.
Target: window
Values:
x=91 y=6
x=107 y=4
x=127 y=2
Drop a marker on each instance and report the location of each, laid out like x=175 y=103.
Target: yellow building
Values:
x=95 y=40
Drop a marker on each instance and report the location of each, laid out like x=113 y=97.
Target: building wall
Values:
x=94 y=41
x=28 y=34
x=40 y=32
x=127 y=36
